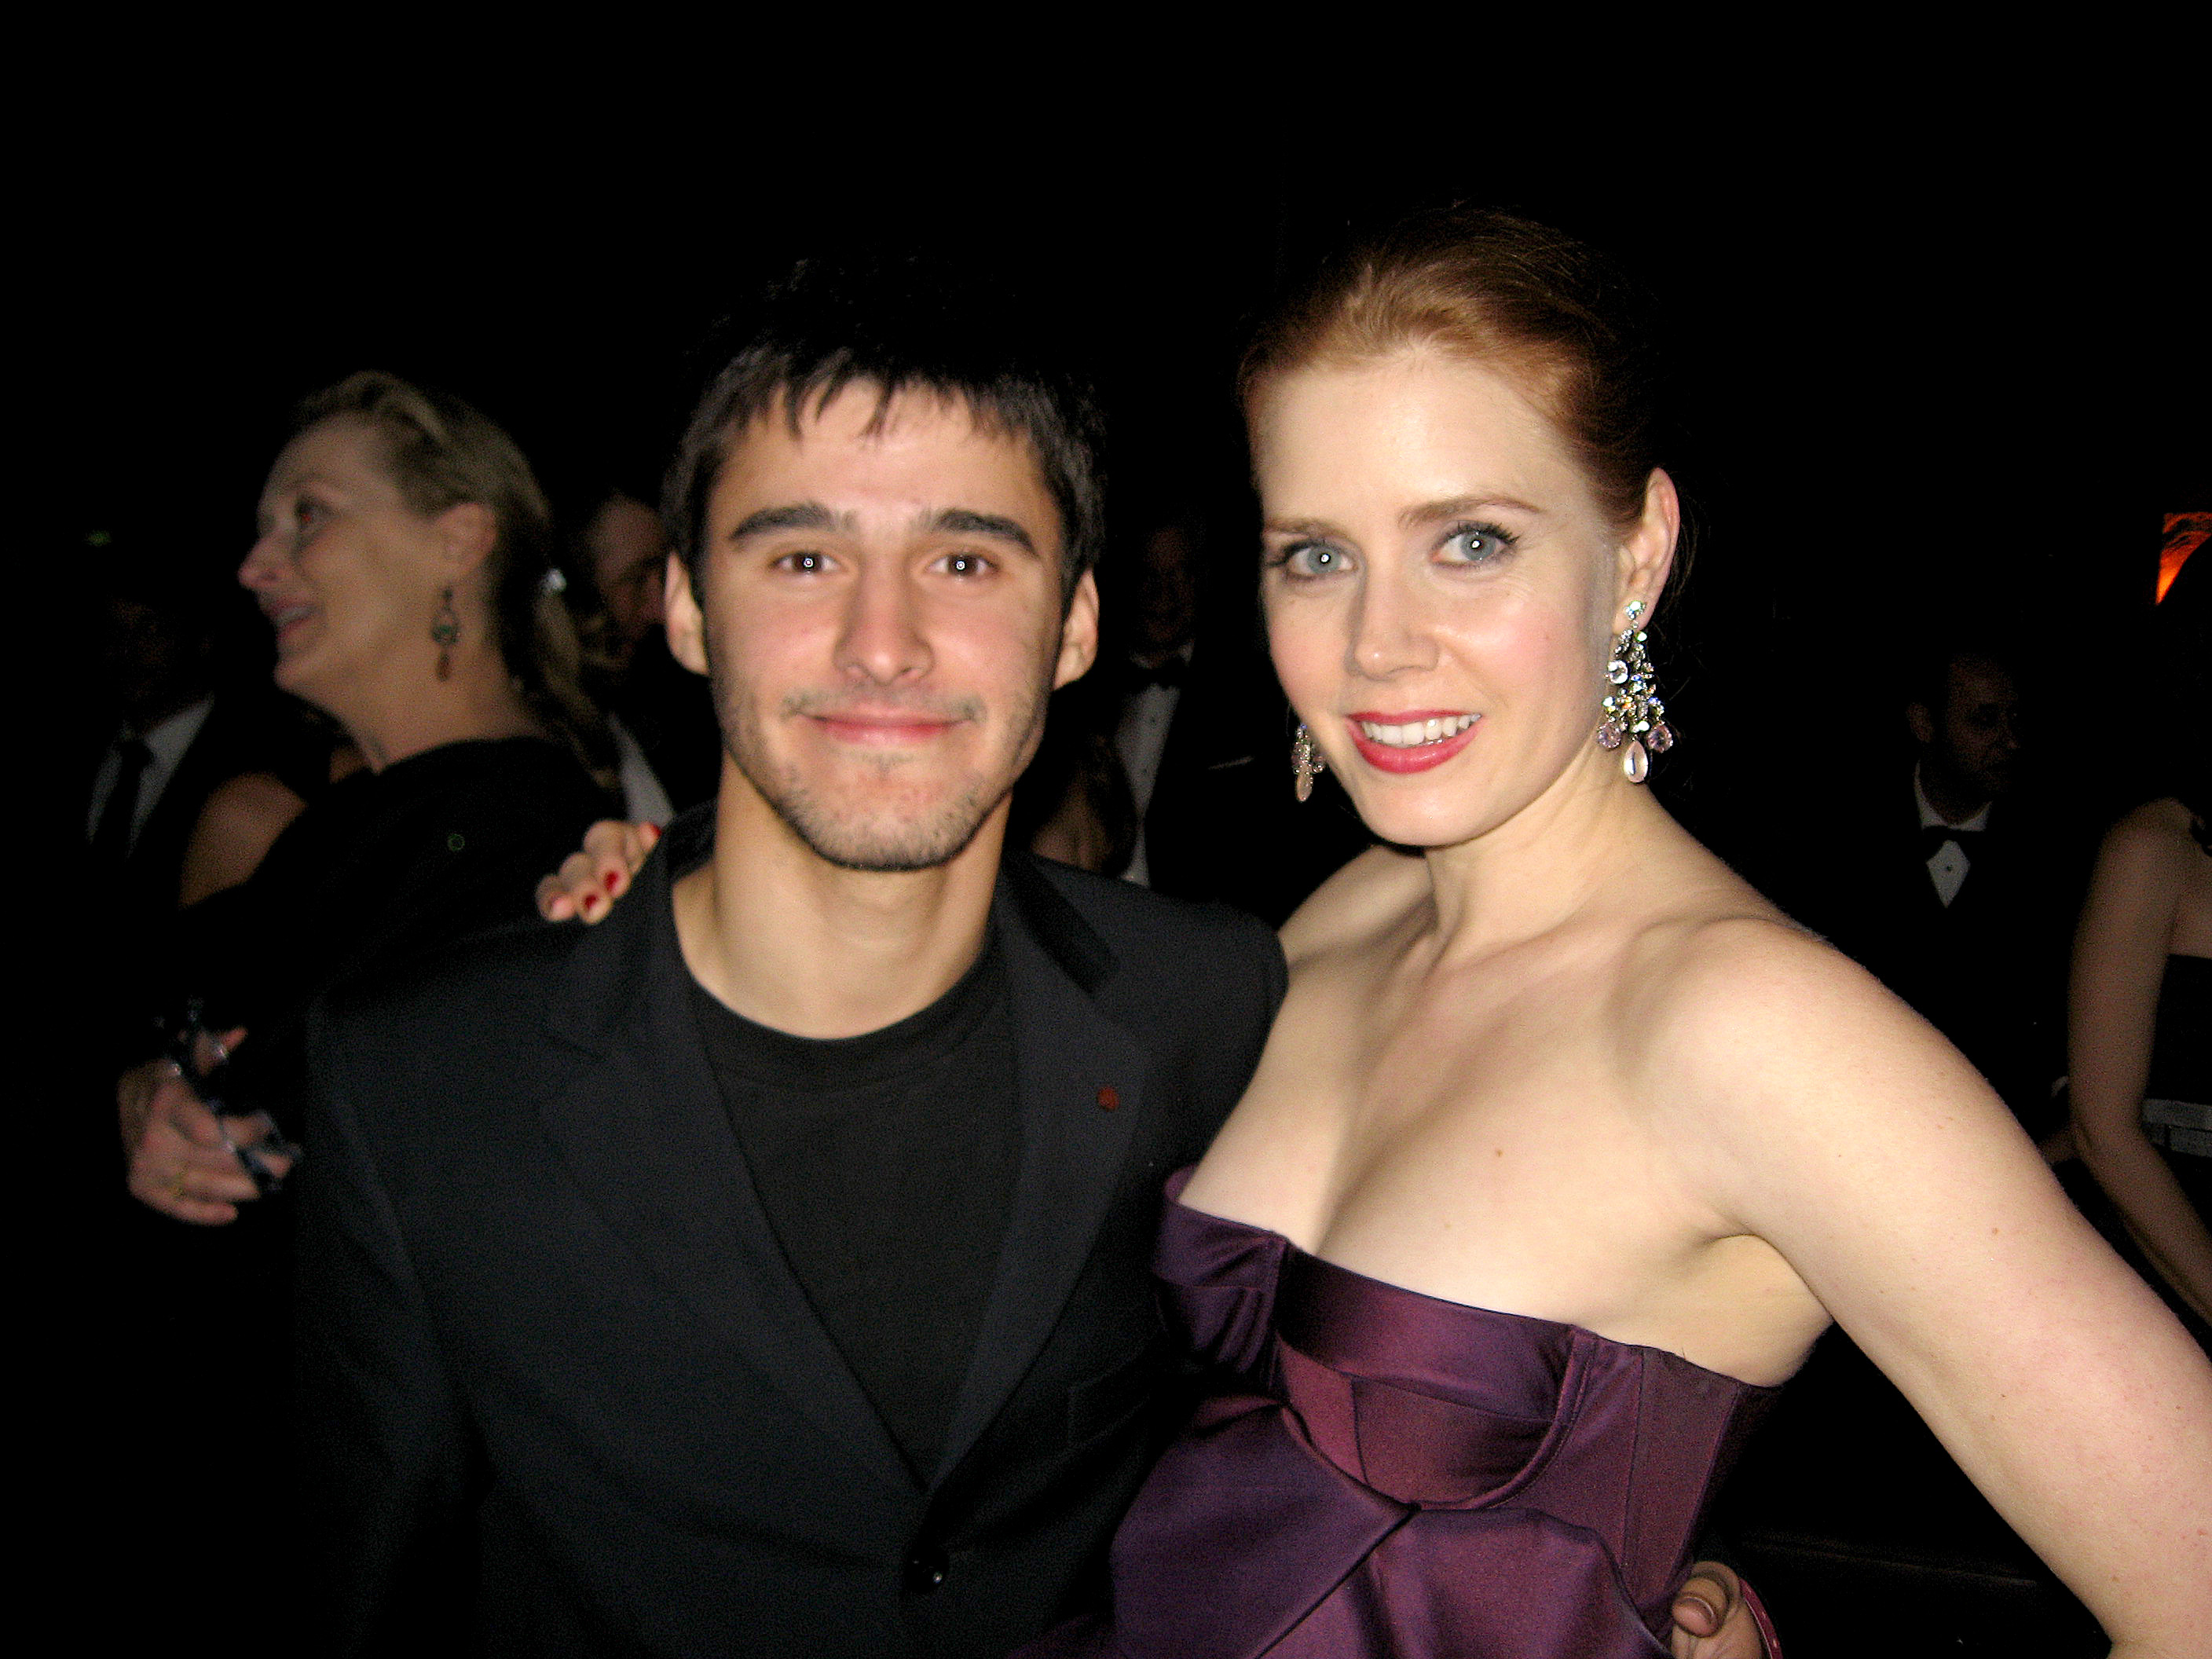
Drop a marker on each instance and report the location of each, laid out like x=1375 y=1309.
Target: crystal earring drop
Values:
x=1635 y=718
x=1306 y=764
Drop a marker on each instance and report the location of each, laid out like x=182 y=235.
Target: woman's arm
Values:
x=2120 y=961
x=237 y=826
x=1831 y=1122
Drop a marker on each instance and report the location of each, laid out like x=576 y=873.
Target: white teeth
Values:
x=1414 y=733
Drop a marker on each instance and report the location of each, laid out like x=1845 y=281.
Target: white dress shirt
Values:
x=1140 y=740
x=1948 y=866
x=166 y=743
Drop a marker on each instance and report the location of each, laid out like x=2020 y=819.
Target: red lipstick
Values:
x=1418 y=757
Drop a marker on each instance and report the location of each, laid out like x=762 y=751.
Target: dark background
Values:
x=1927 y=356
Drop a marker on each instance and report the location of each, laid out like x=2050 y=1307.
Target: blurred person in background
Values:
x=2140 y=1031
x=616 y=566
x=402 y=560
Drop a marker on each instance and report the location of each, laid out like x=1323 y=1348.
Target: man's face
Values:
x=1976 y=739
x=629 y=563
x=880 y=612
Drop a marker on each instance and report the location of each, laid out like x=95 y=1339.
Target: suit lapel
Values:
x=1082 y=1080
x=647 y=1137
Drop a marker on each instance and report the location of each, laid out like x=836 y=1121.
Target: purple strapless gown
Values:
x=1396 y=1475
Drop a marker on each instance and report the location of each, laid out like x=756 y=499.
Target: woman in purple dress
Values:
x=1566 y=1144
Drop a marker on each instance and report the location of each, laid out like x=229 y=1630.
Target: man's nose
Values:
x=881 y=639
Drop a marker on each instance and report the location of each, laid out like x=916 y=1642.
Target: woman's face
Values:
x=1442 y=589
x=347 y=572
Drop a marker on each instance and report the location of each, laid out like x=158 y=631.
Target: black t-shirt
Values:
x=885 y=1163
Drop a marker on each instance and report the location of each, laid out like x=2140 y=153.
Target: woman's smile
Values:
x=1413 y=741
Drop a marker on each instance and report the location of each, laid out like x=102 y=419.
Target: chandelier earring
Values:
x=446 y=633
x=1635 y=719
x=1306 y=764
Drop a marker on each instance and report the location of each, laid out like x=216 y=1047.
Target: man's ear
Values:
x=1922 y=719
x=1647 y=554
x=687 y=623
x=1079 y=635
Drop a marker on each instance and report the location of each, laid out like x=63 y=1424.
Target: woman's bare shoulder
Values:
x=1366 y=896
x=2157 y=829
x=1751 y=1012
x=237 y=823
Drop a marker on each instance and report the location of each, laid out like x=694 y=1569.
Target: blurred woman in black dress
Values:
x=402 y=558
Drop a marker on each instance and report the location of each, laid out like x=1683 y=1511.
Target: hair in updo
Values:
x=1532 y=301
x=441 y=452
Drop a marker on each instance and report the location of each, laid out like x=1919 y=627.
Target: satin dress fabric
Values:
x=1391 y=1474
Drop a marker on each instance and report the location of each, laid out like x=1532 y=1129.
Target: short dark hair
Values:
x=908 y=325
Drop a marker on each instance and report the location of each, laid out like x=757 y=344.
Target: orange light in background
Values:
x=2184 y=533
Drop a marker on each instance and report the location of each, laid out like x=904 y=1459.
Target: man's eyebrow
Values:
x=1459 y=507
x=963 y=521
x=797 y=515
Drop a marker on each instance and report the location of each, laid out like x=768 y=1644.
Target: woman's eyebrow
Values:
x=1459 y=507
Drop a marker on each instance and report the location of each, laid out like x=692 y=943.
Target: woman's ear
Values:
x=1647 y=553
x=467 y=532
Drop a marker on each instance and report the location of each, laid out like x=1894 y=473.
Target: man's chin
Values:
x=885 y=842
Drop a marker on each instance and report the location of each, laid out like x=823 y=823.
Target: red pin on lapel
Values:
x=1109 y=1097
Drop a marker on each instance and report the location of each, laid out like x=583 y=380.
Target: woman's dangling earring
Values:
x=1306 y=764
x=1634 y=715
x=446 y=632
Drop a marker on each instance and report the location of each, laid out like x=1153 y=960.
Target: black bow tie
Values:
x=1933 y=837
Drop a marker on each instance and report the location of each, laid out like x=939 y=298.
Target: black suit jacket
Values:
x=546 y=1324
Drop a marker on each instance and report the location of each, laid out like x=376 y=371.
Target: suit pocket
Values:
x=1109 y=1399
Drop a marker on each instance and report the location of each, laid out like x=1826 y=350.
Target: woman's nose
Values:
x=1387 y=635
x=260 y=563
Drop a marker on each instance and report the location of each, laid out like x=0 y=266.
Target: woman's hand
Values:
x=589 y=882
x=180 y=1158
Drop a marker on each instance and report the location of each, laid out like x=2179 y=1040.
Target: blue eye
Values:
x=1310 y=561
x=1476 y=544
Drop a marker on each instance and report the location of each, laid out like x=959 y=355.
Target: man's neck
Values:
x=793 y=942
x=1952 y=801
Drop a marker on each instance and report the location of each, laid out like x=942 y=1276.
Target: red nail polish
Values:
x=591 y=902
x=613 y=876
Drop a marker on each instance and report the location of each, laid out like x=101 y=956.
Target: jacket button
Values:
x=1109 y=1097
x=924 y=1570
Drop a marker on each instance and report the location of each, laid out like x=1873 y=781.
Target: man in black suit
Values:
x=690 y=1286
